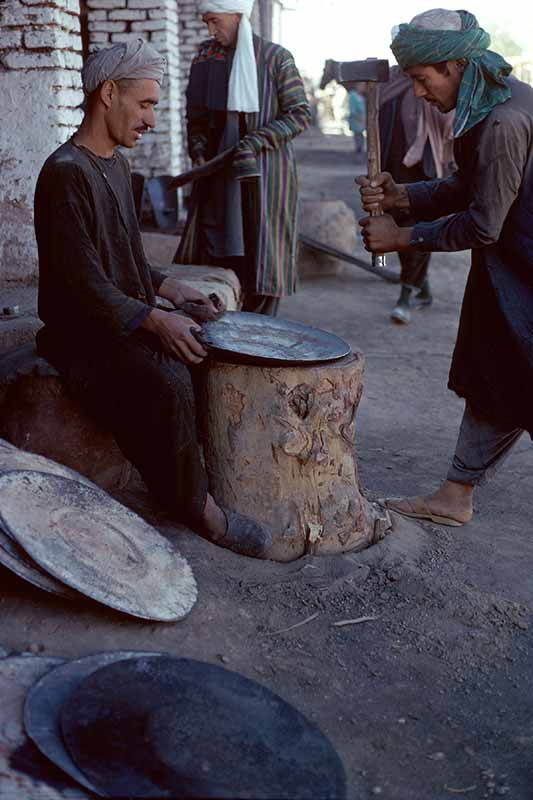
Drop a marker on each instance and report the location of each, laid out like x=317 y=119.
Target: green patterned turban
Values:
x=483 y=85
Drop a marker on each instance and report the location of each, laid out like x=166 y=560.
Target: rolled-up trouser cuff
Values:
x=482 y=446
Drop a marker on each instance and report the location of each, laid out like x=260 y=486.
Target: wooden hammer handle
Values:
x=373 y=149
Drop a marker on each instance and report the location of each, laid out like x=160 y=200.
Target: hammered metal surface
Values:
x=260 y=338
x=174 y=727
x=44 y=704
x=17 y=560
x=90 y=542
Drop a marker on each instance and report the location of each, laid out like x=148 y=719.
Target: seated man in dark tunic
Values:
x=126 y=360
x=487 y=205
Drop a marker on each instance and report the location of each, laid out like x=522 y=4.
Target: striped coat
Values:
x=265 y=148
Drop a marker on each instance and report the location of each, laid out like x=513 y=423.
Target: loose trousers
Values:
x=145 y=399
x=482 y=446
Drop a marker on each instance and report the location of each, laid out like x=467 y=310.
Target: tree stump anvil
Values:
x=279 y=446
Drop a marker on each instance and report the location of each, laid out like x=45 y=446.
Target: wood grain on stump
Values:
x=280 y=447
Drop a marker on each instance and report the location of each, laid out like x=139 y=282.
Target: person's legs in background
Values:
x=414 y=278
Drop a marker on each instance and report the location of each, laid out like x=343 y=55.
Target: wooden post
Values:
x=279 y=446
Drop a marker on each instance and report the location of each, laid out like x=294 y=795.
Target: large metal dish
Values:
x=257 y=338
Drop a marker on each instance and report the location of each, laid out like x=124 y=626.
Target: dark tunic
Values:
x=488 y=206
x=95 y=290
x=93 y=275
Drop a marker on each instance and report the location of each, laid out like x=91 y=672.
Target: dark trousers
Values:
x=145 y=398
x=481 y=447
x=415 y=267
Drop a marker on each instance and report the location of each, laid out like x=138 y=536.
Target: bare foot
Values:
x=214 y=520
x=451 y=504
x=234 y=531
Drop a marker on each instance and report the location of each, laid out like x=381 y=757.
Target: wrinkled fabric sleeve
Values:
x=76 y=271
x=294 y=117
x=430 y=200
x=501 y=159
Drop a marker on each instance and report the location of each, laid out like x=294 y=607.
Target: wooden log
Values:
x=279 y=446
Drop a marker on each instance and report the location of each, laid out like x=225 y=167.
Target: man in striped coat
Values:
x=245 y=93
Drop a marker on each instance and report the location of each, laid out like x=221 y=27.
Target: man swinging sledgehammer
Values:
x=486 y=206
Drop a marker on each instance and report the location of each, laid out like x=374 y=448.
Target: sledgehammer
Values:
x=372 y=71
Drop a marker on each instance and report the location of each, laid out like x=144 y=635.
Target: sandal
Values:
x=418 y=509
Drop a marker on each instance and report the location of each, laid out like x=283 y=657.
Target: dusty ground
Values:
x=430 y=700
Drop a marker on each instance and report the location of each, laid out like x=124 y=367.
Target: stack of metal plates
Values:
x=152 y=725
x=63 y=534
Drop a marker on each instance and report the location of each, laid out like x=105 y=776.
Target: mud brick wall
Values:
x=40 y=91
x=156 y=21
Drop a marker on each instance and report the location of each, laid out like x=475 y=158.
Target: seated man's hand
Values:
x=383 y=235
x=381 y=193
x=174 y=331
x=180 y=294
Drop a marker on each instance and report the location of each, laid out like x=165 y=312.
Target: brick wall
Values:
x=40 y=90
x=112 y=21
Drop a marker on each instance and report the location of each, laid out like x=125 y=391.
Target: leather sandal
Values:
x=418 y=509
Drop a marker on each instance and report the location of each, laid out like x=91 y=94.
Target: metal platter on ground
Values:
x=17 y=560
x=170 y=727
x=12 y=458
x=259 y=338
x=44 y=704
x=90 y=542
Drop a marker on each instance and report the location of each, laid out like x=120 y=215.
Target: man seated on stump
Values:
x=486 y=206
x=244 y=93
x=126 y=360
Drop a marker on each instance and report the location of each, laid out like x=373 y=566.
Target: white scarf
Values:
x=243 y=90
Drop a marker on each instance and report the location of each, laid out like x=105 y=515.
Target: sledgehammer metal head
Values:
x=349 y=73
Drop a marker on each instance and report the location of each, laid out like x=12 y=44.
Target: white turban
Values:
x=135 y=59
x=243 y=90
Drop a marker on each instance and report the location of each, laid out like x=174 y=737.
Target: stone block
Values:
x=70 y=117
x=123 y=37
x=104 y=26
x=133 y=14
x=25 y=60
x=18 y=331
x=42 y=15
x=98 y=38
x=144 y=4
x=72 y=60
x=67 y=97
x=10 y=39
x=111 y=4
x=331 y=222
x=52 y=39
x=149 y=25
